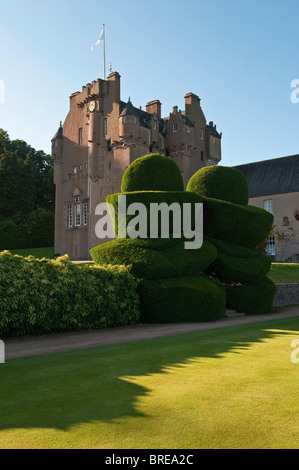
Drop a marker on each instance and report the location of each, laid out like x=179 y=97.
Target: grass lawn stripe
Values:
x=226 y=388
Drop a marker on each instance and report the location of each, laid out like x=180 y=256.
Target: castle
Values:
x=101 y=137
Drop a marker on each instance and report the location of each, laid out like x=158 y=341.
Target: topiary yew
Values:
x=171 y=287
x=152 y=172
x=236 y=229
x=220 y=182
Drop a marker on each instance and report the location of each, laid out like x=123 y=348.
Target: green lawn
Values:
x=225 y=388
x=284 y=273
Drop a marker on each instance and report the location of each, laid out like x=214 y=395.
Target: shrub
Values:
x=12 y=235
x=220 y=182
x=155 y=259
x=152 y=173
x=39 y=228
x=245 y=226
x=39 y=296
x=152 y=197
x=185 y=299
x=255 y=298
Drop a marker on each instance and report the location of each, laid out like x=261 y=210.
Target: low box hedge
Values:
x=41 y=296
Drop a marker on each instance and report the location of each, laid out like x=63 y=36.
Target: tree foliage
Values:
x=26 y=182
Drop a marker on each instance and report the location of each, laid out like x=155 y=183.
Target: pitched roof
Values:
x=127 y=109
x=276 y=176
x=59 y=133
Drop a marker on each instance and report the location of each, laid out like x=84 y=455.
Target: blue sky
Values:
x=239 y=57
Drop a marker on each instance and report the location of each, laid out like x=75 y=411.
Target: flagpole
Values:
x=104 y=44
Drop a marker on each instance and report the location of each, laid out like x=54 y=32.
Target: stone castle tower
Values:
x=101 y=137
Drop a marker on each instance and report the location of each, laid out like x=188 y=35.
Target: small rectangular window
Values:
x=75 y=170
x=70 y=216
x=201 y=134
x=85 y=214
x=78 y=215
x=201 y=155
x=175 y=128
x=270 y=248
x=268 y=206
x=155 y=125
x=105 y=127
x=81 y=136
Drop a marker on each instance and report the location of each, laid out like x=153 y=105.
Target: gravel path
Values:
x=54 y=343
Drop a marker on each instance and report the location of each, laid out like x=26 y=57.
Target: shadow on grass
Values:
x=66 y=389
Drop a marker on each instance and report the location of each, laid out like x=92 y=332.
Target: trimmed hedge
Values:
x=220 y=182
x=236 y=264
x=152 y=173
x=40 y=296
x=185 y=299
x=152 y=197
x=155 y=259
x=245 y=226
x=256 y=299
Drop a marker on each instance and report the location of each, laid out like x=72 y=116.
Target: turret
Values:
x=57 y=144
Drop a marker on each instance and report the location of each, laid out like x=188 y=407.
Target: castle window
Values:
x=270 y=248
x=56 y=143
x=70 y=216
x=106 y=127
x=78 y=215
x=155 y=125
x=75 y=170
x=201 y=134
x=188 y=130
x=81 y=136
x=85 y=213
x=268 y=206
x=175 y=128
x=77 y=199
x=124 y=120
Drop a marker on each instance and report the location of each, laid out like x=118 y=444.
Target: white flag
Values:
x=99 y=40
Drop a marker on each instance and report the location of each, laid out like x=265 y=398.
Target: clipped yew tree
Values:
x=235 y=229
x=171 y=284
